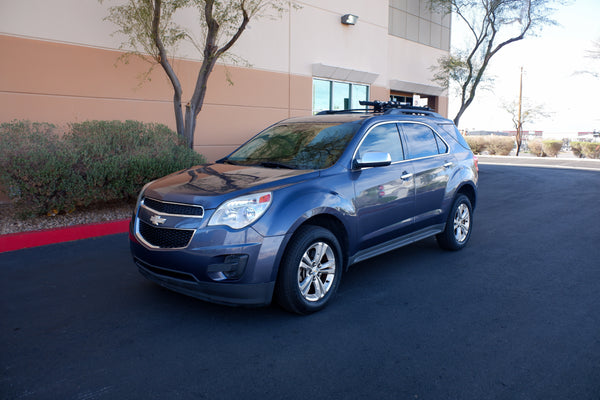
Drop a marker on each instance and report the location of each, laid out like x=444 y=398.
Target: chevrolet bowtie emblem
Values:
x=157 y=219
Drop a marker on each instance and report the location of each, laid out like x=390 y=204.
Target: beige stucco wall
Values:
x=59 y=65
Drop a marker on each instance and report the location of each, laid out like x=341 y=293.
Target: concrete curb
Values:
x=561 y=163
x=23 y=240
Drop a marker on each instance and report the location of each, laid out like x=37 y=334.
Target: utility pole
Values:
x=519 y=122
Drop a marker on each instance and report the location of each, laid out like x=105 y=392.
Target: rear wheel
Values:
x=458 y=225
x=310 y=271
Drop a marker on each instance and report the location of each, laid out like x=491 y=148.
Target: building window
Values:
x=414 y=20
x=404 y=100
x=335 y=95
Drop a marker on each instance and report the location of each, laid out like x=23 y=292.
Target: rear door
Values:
x=432 y=165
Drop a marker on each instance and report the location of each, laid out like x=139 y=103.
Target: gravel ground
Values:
x=12 y=224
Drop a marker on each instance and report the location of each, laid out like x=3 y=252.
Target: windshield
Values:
x=297 y=145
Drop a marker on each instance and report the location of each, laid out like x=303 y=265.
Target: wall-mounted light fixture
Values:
x=349 y=19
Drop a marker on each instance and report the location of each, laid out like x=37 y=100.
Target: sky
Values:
x=550 y=62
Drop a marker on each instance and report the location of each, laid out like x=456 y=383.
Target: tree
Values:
x=594 y=54
x=523 y=112
x=152 y=34
x=492 y=25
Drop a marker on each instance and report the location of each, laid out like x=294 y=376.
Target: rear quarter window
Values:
x=451 y=130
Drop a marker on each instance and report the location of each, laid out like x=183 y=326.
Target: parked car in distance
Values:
x=286 y=214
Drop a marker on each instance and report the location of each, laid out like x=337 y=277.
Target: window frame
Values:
x=371 y=129
x=437 y=137
x=331 y=82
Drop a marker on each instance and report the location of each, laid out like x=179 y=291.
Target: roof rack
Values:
x=386 y=107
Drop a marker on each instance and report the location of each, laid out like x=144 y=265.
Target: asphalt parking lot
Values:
x=515 y=315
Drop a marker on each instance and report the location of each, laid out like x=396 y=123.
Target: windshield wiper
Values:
x=228 y=161
x=275 y=164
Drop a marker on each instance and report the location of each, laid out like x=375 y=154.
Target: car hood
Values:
x=210 y=185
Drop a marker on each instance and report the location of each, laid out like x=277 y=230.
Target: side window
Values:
x=422 y=141
x=385 y=139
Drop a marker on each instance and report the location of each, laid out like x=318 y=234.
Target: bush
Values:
x=591 y=150
x=552 y=147
x=576 y=148
x=498 y=145
x=536 y=147
x=94 y=162
x=476 y=143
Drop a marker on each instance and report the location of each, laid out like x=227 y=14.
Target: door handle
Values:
x=448 y=165
x=406 y=176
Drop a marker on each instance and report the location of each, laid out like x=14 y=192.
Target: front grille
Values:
x=165 y=238
x=174 y=208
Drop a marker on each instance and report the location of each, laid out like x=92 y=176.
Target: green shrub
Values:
x=536 y=147
x=476 y=143
x=495 y=145
x=552 y=147
x=500 y=145
x=591 y=150
x=93 y=162
x=576 y=148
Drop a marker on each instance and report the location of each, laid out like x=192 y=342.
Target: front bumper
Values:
x=219 y=265
x=256 y=294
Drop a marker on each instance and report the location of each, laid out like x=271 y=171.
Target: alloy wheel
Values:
x=316 y=271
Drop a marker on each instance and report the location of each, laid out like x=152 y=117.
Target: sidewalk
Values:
x=563 y=161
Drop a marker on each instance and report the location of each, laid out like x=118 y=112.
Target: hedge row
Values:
x=544 y=148
x=93 y=162
x=494 y=145
x=586 y=149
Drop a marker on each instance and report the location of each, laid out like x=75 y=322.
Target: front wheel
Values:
x=310 y=271
x=458 y=225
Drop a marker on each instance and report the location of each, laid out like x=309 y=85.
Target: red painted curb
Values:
x=17 y=241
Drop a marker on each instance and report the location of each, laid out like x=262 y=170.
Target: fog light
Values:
x=233 y=267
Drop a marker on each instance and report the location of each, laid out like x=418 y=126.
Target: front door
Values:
x=384 y=195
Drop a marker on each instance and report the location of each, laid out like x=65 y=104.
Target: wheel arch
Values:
x=326 y=221
x=469 y=191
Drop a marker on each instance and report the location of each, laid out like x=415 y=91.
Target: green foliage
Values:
x=476 y=143
x=490 y=25
x=151 y=33
x=536 y=147
x=552 y=147
x=591 y=150
x=134 y=20
x=586 y=149
x=494 y=145
x=576 y=148
x=501 y=145
x=94 y=162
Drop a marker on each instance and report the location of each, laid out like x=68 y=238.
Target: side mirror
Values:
x=373 y=159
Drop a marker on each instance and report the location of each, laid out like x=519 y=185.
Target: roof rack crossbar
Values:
x=385 y=107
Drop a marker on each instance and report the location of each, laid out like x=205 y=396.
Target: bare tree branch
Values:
x=151 y=34
x=493 y=24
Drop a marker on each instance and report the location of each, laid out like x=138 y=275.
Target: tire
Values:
x=310 y=271
x=458 y=225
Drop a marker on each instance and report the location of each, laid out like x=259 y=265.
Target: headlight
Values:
x=242 y=211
